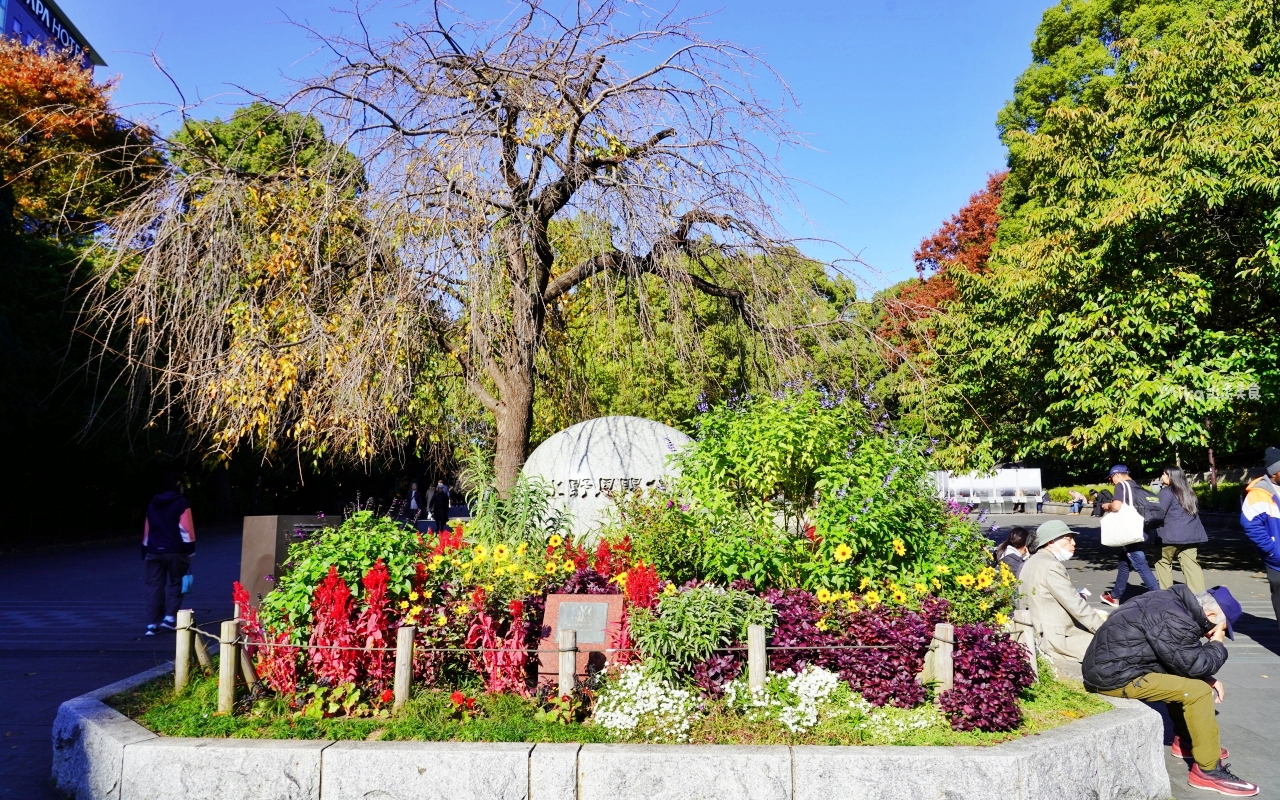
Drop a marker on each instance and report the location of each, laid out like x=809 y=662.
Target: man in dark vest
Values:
x=168 y=540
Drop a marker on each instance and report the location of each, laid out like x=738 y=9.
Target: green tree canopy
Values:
x=1131 y=297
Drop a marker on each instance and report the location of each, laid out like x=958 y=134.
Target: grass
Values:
x=429 y=716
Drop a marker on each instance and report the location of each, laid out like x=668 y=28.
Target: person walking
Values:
x=1013 y=552
x=415 y=503
x=1260 y=518
x=168 y=540
x=1151 y=650
x=440 y=505
x=1063 y=622
x=1181 y=532
x=1128 y=492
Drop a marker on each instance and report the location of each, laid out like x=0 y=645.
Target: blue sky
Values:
x=898 y=97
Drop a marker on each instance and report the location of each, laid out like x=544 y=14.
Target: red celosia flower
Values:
x=387 y=695
x=458 y=698
x=642 y=586
x=516 y=608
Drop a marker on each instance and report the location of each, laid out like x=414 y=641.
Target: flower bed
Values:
x=801 y=512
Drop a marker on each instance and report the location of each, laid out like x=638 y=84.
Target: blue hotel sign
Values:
x=43 y=21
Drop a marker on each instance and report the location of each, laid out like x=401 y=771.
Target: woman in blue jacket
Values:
x=1181 y=532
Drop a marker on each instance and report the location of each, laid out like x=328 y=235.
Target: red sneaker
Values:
x=1221 y=781
x=1178 y=752
x=1109 y=600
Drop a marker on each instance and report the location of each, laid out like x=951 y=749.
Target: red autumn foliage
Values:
x=962 y=243
x=64 y=153
x=331 y=608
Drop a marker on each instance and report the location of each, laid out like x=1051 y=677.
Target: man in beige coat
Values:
x=1064 y=623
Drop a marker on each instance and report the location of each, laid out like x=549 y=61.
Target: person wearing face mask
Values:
x=1152 y=649
x=1063 y=622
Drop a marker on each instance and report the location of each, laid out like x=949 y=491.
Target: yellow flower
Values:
x=404 y=603
x=415 y=611
x=555 y=540
x=965 y=580
x=477 y=559
x=670 y=589
x=843 y=553
x=621 y=580
x=984 y=605
x=852 y=606
x=551 y=568
x=528 y=576
x=455 y=562
x=463 y=608
x=871 y=598
x=899 y=547
x=442 y=620
x=822 y=624
x=893 y=586
x=937 y=584
x=466 y=575
x=413 y=595
x=437 y=560
x=984 y=581
x=824 y=595
x=899 y=596
x=500 y=553
x=568 y=566
x=920 y=588
x=488 y=587
x=522 y=548
x=480 y=551
x=1001 y=618
x=942 y=569
x=863 y=584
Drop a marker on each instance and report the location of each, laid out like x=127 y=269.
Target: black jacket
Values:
x=1154 y=632
x=1177 y=526
x=440 y=505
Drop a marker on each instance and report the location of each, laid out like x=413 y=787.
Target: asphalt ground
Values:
x=72 y=621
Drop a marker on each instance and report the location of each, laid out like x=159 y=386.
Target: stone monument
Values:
x=588 y=462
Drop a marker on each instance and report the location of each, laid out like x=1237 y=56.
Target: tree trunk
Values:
x=515 y=422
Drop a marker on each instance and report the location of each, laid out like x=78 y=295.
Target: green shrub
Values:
x=690 y=626
x=524 y=515
x=353 y=548
x=663 y=534
x=1226 y=497
x=1062 y=494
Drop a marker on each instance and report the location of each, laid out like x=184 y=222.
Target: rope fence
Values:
x=235 y=662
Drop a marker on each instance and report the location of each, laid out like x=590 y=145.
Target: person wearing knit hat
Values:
x=1063 y=622
x=1260 y=518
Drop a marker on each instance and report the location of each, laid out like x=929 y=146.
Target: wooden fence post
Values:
x=568 y=641
x=757 y=658
x=182 y=650
x=246 y=667
x=202 y=649
x=943 y=663
x=404 y=665
x=228 y=661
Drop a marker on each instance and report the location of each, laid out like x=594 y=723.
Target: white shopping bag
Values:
x=1123 y=527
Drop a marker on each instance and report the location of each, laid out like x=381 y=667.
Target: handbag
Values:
x=1122 y=528
x=187 y=580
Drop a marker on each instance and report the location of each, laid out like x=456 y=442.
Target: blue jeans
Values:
x=1133 y=555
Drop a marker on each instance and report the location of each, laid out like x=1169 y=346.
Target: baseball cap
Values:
x=1272 y=460
x=1230 y=608
x=1118 y=469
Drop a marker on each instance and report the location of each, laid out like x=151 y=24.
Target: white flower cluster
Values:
x=792 y=699
x=641 y=705
x=894 y=724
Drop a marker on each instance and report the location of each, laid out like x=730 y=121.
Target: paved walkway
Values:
x=73 y=623
x=1249 y=716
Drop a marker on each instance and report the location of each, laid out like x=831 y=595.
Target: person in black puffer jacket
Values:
x=1151 y=649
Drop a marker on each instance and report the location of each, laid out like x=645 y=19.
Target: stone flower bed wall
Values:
x=98 y=754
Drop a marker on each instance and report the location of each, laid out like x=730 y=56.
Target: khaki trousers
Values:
x=1191 y=573
x=1190 y=705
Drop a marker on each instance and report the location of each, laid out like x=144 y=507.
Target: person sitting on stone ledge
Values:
x=1063 y=622
x=1151 y=649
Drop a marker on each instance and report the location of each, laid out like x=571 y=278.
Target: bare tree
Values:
x=476 y=137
